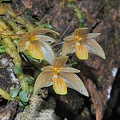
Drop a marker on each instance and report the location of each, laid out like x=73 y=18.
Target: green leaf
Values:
x=17 y=69
x=22 y=104
x=14 y=92
x=29 y=80
x=23 y=95
x=30 y=88
x=27 y=107
x=24 y=85
x=2 y=50
x=47 y=25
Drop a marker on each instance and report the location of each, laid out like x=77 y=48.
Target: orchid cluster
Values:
x=37 y=43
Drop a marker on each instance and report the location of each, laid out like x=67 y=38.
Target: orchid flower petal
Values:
x=81 y=52
x=43 y=80
x=69 y=69
x=70 y=38
x=22 y=44
x=48 y=69
x=68 y=47
x=36 y=33
x=92 y=35
x=45 y=38
x=35 y=51
x=47 y=51
x=59 y=86
x=41 y=31
x=93 y=47
x=80 y=31
x=74 y=82
x=59 y=61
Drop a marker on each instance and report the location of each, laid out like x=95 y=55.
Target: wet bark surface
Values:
x=97 y=74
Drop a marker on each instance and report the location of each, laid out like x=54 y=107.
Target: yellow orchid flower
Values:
x=60 y=77
x=37 y=44
x=82 y=43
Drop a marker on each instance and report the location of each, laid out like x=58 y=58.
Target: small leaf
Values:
x=2 y=50
x=17 y=69
x=27 y=107
x=22 y=104
x=29 y=79
x=48 y=26
x=23 y=95
x=24 y=85
x=4 y=94
x=14 y=92
x=30 y=88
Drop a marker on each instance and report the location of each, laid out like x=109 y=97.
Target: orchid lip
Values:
x=77 y=43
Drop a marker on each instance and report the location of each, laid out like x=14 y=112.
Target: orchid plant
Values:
x=57 y=74
x=37 y=42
